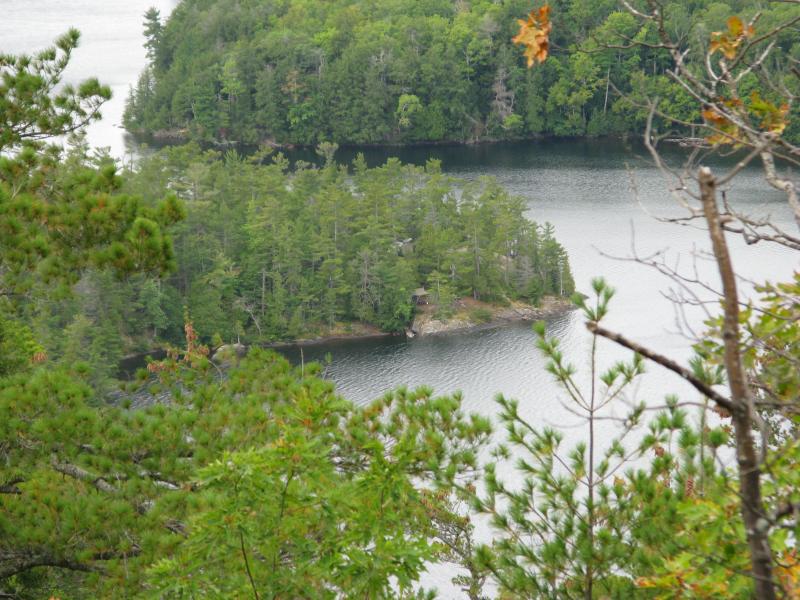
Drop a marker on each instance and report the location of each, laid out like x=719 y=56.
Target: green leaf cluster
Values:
x=647 y=512
x=267 y=474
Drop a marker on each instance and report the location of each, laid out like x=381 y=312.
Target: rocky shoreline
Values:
x=471 y=314
x=180 y=136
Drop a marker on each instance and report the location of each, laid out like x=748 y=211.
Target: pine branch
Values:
x=665 y=362
x=13 y=563
x=247 y=566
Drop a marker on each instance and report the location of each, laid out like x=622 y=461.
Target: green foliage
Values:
x=559 y=529
x=261 y=480
x=18 y=347
x=33 y=104
x=292 y=252
x=711 y=557
x=480 y=315
x=409 y=71
x=60 y=217
x=153 y=31
x=656 y=517
x=771 y=353
x=122 y=487
x=63 y=222
x=601 y=518
x=407 y=106
x=91 y=494
x=151 y=300
x=348 y=513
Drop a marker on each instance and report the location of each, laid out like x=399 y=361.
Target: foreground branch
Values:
x=665 y=362
x=10 y=486
x=14 y=563
x=785 y=185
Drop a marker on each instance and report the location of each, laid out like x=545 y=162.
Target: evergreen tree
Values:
x=91 y=493
x=291 y=252
x=153 y=32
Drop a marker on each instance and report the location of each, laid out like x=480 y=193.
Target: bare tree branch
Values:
x=665 y=362
x=76 y=472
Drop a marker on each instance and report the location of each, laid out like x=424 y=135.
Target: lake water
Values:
x=583 y=188
x=111 y=48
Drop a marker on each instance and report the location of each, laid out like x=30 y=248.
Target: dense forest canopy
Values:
x=364 y=72
x=96 y=498
x=272 y=252
x=285 y=250
x=252 y=478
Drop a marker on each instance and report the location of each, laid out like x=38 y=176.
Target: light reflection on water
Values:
x=111 y=48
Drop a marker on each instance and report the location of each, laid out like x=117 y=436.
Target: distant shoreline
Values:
x=464 y=319
x=424 y=324
x=170 y=137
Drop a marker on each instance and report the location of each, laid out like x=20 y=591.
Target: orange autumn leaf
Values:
x=772 y=118
x=735 y=26
x=728 y=133
x=728 y=42
x=788 y=573
x=777 y=123
x=723 y=117
x=644 y=582
x=534 y=35
x=725 y=131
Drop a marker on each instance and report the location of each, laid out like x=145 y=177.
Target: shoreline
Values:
x=302 y=342
x=423 y=325
x=473 y=315
x=178 y=137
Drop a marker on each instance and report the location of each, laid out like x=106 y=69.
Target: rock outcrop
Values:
x=468 y=311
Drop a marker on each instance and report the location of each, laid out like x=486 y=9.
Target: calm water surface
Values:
x=583 y=188
x=111 y=48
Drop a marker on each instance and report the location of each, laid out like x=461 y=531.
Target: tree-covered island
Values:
x=269 y=252
x=407 y=71
x=283 y=252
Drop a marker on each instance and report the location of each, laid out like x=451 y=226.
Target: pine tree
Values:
x=153 y=32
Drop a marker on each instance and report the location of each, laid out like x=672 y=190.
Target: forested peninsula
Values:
x=271 y=252
x=300 y=72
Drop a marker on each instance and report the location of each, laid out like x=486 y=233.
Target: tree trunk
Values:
x=263 y=290
x=752 y=507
